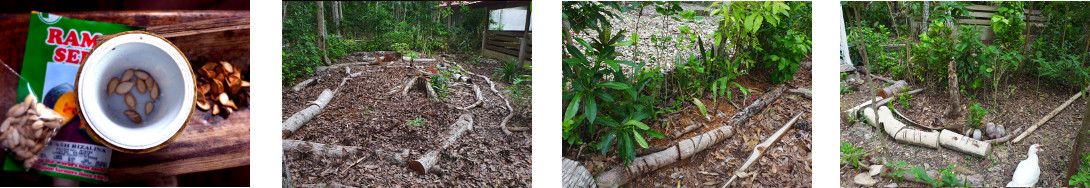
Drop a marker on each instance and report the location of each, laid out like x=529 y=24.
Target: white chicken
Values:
x=1028 y=171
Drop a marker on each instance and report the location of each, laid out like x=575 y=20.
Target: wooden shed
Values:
x=505 y=40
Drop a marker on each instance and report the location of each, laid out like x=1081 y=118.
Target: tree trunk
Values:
x=898 y=131
x=321 y=29
x=319 y=149
x=861 y=44
x=337 y=16
x=1049 y=116
x=575 y=175
x=422 y=165
x=760 y=149
x=894 y=89
x=955 y=96
x=620 y=175
x=301 y=118
x=304 y=84
x=964 y=144
x=1075 y=159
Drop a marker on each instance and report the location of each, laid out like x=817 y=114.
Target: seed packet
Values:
x=55 y=48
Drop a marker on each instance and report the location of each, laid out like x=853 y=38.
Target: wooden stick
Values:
x=686 y=130
x=760 y=149
x=855 y=110
x=422 y=165
x=320 y=149
x=510 y=111
x=1048 y=117
x=1000 y=140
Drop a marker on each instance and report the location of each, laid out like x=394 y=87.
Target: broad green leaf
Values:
x=639 y=139
x=607 y=142
x=573 y=107
x=614 y=85
x=625 y=43
x=591 y=108
x=653 y=133
x=638 y=124
x=700 y=105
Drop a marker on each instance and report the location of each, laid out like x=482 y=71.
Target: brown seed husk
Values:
x=203 y=104
x=130 y=101
x=112 y=87
x=127 y=75
x=17 y=110
x=141 y=74
x=148 y=107
x=125 y=87
x=227 y=67
x=154 y=92
x=133 y=116
x=141 y=87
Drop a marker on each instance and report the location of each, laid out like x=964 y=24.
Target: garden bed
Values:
x=1022 y=101
x=364 y=113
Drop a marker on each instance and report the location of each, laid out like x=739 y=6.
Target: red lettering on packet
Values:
x=73 y=56
x=72 y=38
x=59 y=53
x=88 y=39
x=54 y=36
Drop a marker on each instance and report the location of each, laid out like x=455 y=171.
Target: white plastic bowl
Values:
x=104 y=113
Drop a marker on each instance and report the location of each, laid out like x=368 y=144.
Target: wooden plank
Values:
x=503 y=44
x=200 y=27
x=208 y=143
x=503 y=38
x=506 y=51
x=975 y=22
x=506 y=33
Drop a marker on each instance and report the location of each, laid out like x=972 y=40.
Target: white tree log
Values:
x=320 y=149
x=301 y=118
x=575 y=175
x=1048 y=117
x=897 y=130
x=304 y=84
x=620 y=175
x=510 y=111
x=894 y=89
x=964 y=144
x=760 y=149
x=422 y=165
x=802 y=91
x=854 y=111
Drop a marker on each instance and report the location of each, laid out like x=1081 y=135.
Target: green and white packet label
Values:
x=55 y=48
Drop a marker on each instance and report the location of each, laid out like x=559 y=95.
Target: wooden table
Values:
x=209 y=142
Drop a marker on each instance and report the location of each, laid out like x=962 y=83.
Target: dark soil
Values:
x=363 y=114
x=1020 y=102
x=787 y=164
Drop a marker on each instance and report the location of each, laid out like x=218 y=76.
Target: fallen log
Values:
x=964 y=144
x=320 y=149
x=1049 y=116
x=304 y=84
x=409 y=85
x=300 y=118
x=620 y=175
x=802 y=91
x=575 y=175
x=894 y=89
x=480 y=100
x=423 y=164
x=760 y=150
x=898 y=131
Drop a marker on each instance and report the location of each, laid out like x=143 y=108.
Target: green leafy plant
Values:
x=976 y=115
x=947 y=178
x=439 y=84
x=606 y=111
x=852 y=154
x=415 y=122
x=508 y=71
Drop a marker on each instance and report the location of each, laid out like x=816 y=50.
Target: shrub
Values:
x=852 y=154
